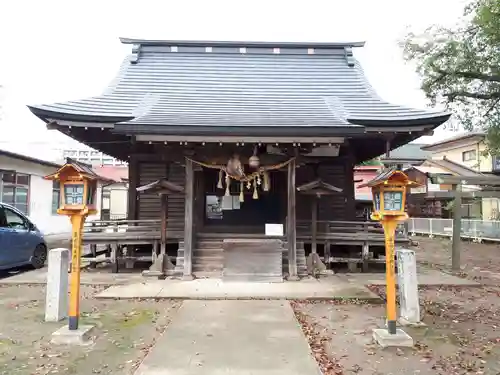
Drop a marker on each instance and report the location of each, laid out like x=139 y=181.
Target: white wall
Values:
x=40 y=196
x=118 y=200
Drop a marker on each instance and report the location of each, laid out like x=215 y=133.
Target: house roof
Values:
x=454 y=167
x=14 y=155
x=116 y=173
x=449 y=141
x=195 y=87
x=431 y=169
x=445 y=166
x=445 y=171
x=410 y=151
x=368 y=168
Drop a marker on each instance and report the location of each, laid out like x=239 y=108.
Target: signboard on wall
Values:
x=418 y=190
x=274 y=229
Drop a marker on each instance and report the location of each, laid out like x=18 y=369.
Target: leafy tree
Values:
x=460 y=67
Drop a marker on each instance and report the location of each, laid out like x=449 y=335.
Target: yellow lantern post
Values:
x=78 y=186
x=389 y=200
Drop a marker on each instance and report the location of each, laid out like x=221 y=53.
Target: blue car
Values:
x=21 y=243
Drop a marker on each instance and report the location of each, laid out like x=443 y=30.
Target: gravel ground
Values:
x=125 y=330
x=462 y=333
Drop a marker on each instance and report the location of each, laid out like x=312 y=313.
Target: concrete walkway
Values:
x=231 y=337
x=308 y=288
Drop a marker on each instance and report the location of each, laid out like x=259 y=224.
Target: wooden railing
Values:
x=324 y=226
x=124 y=225
x=346 y=228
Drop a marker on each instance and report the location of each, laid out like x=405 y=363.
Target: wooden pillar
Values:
x=457 y=228
x=199 y=199
x=188 y=221
x=133 y=183
x=291 y=224
x=314 y=224
x=349 y=190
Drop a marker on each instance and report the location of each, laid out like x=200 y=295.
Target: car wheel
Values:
x=39 y=256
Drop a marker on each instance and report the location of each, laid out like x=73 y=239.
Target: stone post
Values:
x=56 y=305
x=408 y=288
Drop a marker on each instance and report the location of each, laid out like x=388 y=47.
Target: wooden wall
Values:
x=148 y=205
x=338 y=172
x=339 y=206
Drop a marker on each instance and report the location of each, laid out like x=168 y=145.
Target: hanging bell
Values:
x=254 y=161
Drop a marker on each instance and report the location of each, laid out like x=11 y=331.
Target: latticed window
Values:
x=15 y=190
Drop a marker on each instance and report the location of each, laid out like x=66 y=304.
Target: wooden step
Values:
x=204 y=260
x=202 y=253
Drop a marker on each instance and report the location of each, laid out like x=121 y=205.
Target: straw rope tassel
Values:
x=255 y=194
x=266 y=186
x=228 y=185
x=219 y=184
x=242 y=188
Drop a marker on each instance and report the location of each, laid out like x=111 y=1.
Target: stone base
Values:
x=80 y=336
x=293 y=278
x=149 y=273
x=187 y=277
x=399 y=339
x=405 y=323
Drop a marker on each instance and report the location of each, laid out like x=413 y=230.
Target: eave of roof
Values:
x=214 y=43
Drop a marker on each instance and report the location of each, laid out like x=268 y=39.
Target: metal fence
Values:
x=477 y=230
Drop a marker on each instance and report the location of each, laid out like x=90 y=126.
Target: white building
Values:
x=23 y=186
x=89 y=156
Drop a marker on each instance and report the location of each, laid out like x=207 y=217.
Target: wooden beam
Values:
x=291 y=224
x=457 y=228
x=188 y=221
x=238 y=139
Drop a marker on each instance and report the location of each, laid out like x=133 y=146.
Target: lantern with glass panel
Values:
x=78 y=186
x=389 y=194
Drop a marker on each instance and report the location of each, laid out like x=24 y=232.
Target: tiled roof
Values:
x=184 y=85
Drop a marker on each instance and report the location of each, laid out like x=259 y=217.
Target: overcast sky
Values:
x=54 y=50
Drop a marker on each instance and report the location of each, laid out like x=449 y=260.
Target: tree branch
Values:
x=453 y=95
x=472 y=75
x=495 y=103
